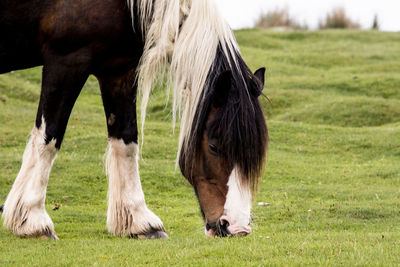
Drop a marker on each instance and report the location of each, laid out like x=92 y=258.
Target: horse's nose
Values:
x=222 y=227
x=227 y=228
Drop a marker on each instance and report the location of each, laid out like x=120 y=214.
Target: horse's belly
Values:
x=19 y=26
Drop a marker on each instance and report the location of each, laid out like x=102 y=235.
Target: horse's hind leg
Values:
x=127 y=210
x=24 y=210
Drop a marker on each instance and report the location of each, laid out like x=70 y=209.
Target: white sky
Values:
x=243 y=13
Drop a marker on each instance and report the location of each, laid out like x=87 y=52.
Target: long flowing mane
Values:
x=189 y=42
x=181 y=40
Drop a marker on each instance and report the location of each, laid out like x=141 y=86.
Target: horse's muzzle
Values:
x=224 y=228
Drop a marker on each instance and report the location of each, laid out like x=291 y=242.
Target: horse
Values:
x=130 y=46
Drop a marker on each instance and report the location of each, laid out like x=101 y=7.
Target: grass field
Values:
x=332 y=177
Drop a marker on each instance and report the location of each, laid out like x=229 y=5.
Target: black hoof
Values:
x=154 y=235
x=53 y=237
x=1 y=208
x=48 y=235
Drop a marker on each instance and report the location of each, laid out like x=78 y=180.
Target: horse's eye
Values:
x=213 y=148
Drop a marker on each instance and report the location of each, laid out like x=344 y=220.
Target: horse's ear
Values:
x=222 y=87
x=260 y=76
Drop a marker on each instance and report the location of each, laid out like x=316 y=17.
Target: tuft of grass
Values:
x=332 y=177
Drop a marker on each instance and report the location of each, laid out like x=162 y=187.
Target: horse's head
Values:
x=226 y=152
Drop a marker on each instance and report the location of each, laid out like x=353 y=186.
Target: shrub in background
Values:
x=338 y=19
x=278 y=18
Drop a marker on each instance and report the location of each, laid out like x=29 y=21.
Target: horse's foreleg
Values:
x=24 y=210
x=127 y=211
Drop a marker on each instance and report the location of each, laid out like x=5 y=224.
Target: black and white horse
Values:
x=130 y=45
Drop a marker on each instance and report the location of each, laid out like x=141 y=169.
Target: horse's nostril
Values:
x=222 y=228
x=224 y=223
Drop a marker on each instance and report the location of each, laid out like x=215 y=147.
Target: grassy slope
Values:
x=333 y=175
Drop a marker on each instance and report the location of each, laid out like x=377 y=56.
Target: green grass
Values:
x=332 y=178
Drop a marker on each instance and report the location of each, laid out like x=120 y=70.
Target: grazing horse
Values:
x=129 y=45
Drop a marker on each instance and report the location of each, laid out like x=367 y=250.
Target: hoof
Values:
x=43 y=234
x=154 y=235
x=1 y=208
x=47 y=235
x=52 y=236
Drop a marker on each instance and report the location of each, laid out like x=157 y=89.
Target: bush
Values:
x=278 y=18
x=338 y=19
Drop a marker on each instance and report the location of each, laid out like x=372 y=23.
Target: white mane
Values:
x=181 y=40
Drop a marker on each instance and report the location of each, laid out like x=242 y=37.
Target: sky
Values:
x=244 y=13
